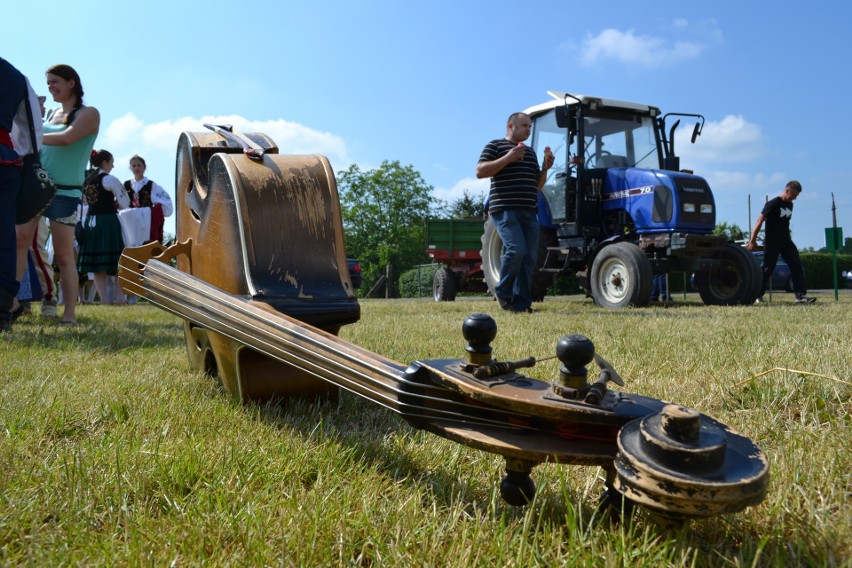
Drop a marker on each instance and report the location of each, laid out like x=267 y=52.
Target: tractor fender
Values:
x=629 y=237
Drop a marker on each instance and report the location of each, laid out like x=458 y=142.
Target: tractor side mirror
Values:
x=565 y=118
x=696 y=132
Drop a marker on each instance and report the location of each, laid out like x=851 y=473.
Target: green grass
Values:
x=113 y=452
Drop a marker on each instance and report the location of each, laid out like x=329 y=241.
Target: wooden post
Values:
x=375 y=287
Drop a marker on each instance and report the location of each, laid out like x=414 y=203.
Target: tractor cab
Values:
x=615 y=172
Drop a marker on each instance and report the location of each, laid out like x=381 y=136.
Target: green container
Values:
x=454 y=239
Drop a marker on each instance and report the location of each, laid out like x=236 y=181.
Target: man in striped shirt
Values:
x=516 y=179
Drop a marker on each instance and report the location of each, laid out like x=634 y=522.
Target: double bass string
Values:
x=426 y=395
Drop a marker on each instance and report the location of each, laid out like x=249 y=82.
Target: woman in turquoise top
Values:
x=69 y=136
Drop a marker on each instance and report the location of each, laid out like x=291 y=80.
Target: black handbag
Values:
x=37 y=189
x=79 y=231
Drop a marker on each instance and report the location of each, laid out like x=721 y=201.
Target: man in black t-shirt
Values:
x=777 y=241
x=512 y=204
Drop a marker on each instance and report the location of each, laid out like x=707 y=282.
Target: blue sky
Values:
x=429 y=84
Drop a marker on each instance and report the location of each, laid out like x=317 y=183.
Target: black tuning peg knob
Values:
x=479 y=330
x=575 y=351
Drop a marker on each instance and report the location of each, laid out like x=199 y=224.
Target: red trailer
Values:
x=455 y=244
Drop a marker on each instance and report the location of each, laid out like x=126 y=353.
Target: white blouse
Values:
x=114 y=185
x=158 y=195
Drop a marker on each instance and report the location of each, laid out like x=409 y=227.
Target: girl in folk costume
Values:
x=69 y=135
x=102 y=241
x=146 y=193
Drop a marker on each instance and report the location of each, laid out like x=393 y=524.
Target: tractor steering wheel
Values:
x=602 y=154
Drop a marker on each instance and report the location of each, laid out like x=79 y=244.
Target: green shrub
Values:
x=565 y=285
x=819 y=268
x=417 y=282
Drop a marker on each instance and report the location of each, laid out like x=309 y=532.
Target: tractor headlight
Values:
x=689 y=207
x=706 y=208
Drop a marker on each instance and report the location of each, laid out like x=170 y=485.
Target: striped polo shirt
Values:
x=516 y=185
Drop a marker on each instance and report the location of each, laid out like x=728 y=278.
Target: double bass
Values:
x=260 y=278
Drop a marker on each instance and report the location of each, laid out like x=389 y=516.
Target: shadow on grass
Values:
x=376 y=435
x=94 y=333
x=384 y=442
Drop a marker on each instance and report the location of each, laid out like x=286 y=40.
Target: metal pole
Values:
x=836 y=244
x=748 y=227
x=766 y=200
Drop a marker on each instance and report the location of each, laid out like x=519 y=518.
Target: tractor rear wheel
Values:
x=736 y=281
x=492 y=253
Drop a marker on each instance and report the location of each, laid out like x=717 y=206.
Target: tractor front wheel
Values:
x=621 y=276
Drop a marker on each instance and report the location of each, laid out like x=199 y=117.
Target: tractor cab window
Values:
x=618 y=140
x=547 y=134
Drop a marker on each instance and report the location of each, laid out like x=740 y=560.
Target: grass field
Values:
x=113 y=452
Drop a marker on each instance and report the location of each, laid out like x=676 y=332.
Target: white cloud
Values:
x=291 y=137
x=636 y=50
x=474 y=186
x=121 y=130
x=742 y=183
x=733 y=139
x=157 y=143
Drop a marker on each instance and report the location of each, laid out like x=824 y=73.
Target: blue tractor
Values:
x=621 y=208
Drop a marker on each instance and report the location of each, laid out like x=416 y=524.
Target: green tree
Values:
x=384 y=217
x=730 y=230
x=469 y=205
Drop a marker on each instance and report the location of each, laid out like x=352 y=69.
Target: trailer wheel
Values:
x=444 y=285
x=621 y=276
x=735 y=282
x=492 y=252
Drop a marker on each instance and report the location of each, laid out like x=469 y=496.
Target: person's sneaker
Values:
x=759 y=301
x=505 y=304
x=48 y=308
x=805 y=300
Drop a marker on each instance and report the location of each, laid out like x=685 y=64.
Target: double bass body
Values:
x=266 y=228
